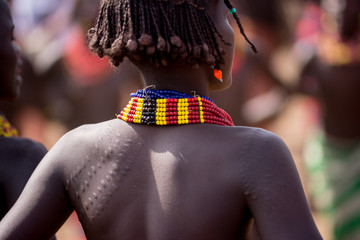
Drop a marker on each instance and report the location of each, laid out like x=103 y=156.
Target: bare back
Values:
x=178 y=181
x=129 y=181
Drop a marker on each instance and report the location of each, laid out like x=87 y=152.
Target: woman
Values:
x=172 y=166
x=18 y=156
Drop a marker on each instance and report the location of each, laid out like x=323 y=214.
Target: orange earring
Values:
x=218 y=73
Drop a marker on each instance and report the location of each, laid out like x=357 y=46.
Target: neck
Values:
x=181 y=79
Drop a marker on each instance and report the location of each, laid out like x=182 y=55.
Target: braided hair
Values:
x=159 y=32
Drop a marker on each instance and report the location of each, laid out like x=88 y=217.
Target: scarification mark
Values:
x=112 y=163
x=108 y=178
x=103 y=184
x=82 y=188
x=95 y=195
x=115 y=167
x=86 y=204
x=110 y=150
x=67 y=185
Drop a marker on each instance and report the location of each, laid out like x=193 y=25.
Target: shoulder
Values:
x=253 y=137
x=19 y=155
x=265 y=141
x=265 y=146
x=84 y=140
x=89 y=134
x=255 y=147
x=19 y=148
x=258 y=148
x=265 y=156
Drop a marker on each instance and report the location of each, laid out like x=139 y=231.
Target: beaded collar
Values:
x=6 y=130
x=167 y=107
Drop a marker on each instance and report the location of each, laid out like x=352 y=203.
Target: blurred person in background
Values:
x=72 y=84
x=18 y=156
x=332 y=77
x=26 y=113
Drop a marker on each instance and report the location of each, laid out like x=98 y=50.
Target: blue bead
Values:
x=162 y=94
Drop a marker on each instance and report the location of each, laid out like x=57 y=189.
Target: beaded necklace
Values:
x=167 y=107
x=6 y=130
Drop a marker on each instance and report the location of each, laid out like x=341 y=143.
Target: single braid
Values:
x=186 y=30
x=106 y=29
x=188 y=24
x=167 y=21
x=141 y=17
x=94 y=34
x=237 y=18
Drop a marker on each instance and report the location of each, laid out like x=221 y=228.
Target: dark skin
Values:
x=130 y=181
x=18 y=156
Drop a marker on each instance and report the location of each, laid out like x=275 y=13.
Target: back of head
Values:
x=159 y=32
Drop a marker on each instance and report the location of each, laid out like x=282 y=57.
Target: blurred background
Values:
x=304 y=85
